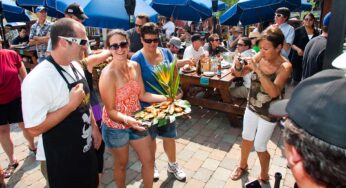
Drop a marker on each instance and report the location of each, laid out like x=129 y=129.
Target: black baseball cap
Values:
x=76 y=10
x=195 y=37
x=318 y=105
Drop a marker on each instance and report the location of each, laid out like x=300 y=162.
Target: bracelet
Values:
x=238 y=69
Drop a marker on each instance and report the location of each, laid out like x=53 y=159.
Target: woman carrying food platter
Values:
x=121 y=88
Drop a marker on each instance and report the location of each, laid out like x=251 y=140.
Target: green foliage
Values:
x=166 y=76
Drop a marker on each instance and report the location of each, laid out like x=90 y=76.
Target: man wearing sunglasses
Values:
x=282 y=14
x=134 y=34
x=215 y=49
x=195 y=51
x=56 y=106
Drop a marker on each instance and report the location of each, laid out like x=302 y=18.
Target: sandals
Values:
x=238 y=173
x=32 y=150
x=10 y=169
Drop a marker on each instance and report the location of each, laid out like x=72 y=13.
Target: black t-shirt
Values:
x=135 y=40
x=218 y=50
x=313 y=56
x=20 y=40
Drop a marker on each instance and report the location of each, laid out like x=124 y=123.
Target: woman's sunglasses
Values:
x=116 y=46
x=151 y=40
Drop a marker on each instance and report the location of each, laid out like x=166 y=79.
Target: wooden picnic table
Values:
x=28 y=51
x=233 y=107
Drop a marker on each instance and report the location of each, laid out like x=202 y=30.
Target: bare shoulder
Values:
x=134 y=64
x=109 y=72
x=286 y=67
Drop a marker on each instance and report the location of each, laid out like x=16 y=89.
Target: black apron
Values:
x=70 y=156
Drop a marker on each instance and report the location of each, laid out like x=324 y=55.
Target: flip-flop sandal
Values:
x=32 y=150
x=238 y=173
x=10 y=169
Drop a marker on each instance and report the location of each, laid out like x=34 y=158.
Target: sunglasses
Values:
x=308 y=19
x=116 y=46
x=151 y=40
x=216 y=40
x=78 y=41
x=240 y=44
x=279 y=15
x=137 y=25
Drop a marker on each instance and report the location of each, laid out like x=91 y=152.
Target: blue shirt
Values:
x=147 y=70
x=288 y=32
x=40 y=31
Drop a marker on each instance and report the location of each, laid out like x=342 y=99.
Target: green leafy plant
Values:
x=166 y=75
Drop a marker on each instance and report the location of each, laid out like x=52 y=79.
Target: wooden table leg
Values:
x=226 y=98
x=234 y=120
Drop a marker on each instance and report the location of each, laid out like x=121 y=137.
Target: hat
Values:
x=76 y=10
x=318 y=106
x=40 y=8
x=254 y=34
x=326 y=19
x=195 y=37
x=175 y=41
x=339 y=62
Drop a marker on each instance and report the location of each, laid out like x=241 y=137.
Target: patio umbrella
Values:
x=191 y=10
x=222 y=6
x=108 y=13
x=254 y=11
x=14 y=13
x=32 y=4
x=305 y=6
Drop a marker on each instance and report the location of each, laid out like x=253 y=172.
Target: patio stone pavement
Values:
x=208 y=149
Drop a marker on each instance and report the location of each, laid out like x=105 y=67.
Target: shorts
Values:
x=167 y=131
x=116 y=138
x=11 y=112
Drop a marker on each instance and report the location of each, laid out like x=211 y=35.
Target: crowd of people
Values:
x=57 y=101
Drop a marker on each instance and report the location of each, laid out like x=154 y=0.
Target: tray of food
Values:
x=161 y=114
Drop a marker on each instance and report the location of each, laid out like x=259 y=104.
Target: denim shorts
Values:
x=116 y=138
x=167 y=131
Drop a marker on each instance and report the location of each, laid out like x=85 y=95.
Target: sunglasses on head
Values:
x=151 y=40
x=116 y=46
x=279 y=15
x=78 y=41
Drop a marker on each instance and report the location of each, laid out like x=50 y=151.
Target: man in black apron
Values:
x=66 y=132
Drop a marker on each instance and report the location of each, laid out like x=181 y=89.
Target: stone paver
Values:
x=208 y=149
